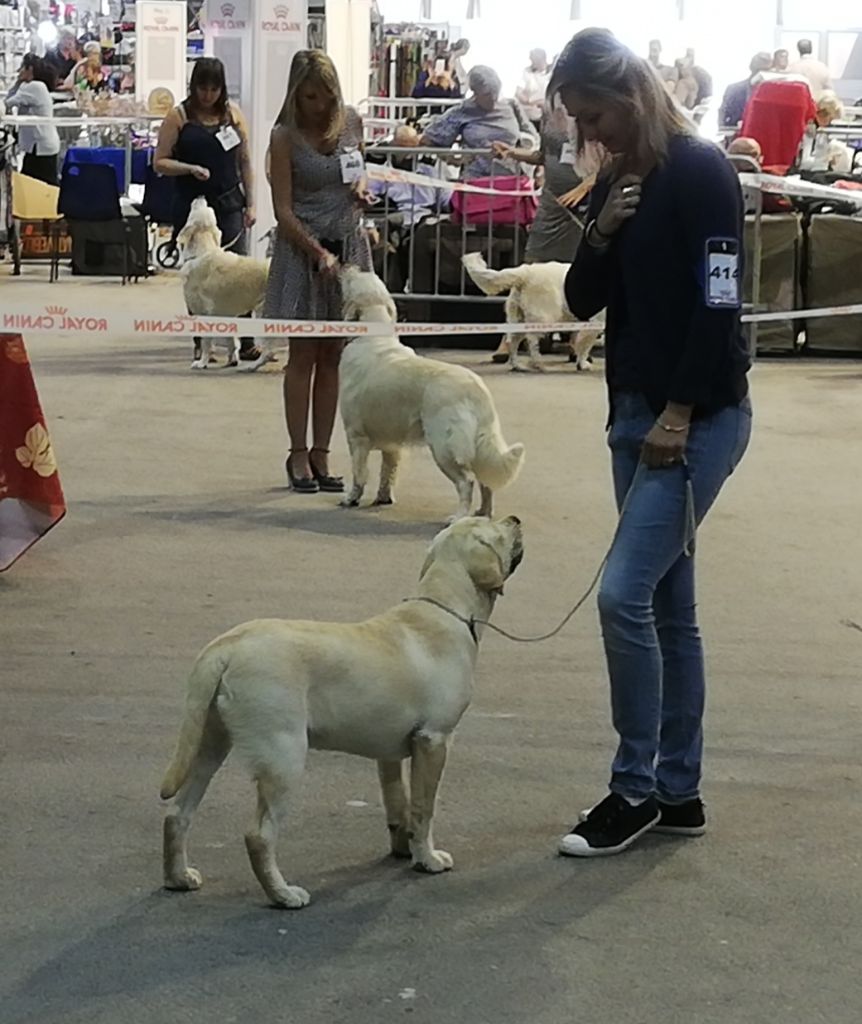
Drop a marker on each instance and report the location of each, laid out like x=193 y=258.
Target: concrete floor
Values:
x=179 y=526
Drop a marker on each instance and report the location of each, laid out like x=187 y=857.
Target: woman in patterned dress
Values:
x=318 y=217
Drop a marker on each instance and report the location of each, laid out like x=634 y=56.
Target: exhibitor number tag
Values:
x=352 y=166
x=228 y=137
x=722 y=273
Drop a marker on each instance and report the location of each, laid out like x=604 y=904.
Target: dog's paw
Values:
x=399 y=842
x=434 y=862
x=384 y=499
x=188 y=881
x=291 y=897
x=199 y=364
x=349 y=502
x=232 y=362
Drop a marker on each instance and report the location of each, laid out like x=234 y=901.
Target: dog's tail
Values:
x=495 y=464
x=492 y=282
x=203 y=686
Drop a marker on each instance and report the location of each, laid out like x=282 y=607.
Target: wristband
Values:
x=672 y=430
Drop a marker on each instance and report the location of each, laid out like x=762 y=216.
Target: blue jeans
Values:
x=647 y=600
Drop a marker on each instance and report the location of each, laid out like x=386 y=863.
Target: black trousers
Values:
x=44 y=168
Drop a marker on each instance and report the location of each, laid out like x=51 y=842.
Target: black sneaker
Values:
x=686 y=819
x=610 y=827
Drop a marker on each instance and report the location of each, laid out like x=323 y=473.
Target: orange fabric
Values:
x=31 y=498
x=776 y=115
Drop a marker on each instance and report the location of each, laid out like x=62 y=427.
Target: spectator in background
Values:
x=30 y=96
x=814 y=153
x=815 y=71
x=405 y=204
x=88 y=73
x=481 y=120
x=668 y=74
x=694 y=85
x=780 y=61
x=736 y=96
x=63 y=57
x=436 y=82
x=534 y=84
x=459 y=50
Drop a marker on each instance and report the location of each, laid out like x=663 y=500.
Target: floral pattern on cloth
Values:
x=36 y=453
x=31 y=498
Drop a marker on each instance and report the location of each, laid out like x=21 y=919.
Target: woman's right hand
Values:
x=201 y=173
x=621 y=204
x=502 y=150
x=327 y=262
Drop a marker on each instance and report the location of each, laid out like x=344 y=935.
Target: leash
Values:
x=689 y=537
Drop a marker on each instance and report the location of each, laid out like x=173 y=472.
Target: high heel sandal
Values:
x=330 y=484
x=300 y=484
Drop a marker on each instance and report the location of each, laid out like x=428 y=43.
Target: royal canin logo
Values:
x=54 y=318
x=227 y=10
x=279 y=22
x=227 y=20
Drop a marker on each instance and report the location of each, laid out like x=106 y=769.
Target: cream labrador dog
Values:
x=391 y=398
x=218 y=283
x=390 y=688
x=536 y=295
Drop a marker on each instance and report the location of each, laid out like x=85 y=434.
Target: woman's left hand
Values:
x=664 y=448
x=249 y=217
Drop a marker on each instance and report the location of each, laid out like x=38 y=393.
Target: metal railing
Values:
x=419 y=244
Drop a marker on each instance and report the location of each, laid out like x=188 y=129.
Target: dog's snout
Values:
x=514 y=520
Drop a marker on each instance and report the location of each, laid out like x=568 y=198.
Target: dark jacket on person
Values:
x=662 y=339
x=733 y=105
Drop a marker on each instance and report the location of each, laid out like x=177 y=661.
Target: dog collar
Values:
x=469 y=623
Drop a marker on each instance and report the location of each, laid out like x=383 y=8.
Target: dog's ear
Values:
x=486 y=567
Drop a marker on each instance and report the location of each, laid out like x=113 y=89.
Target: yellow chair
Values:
x=35 y=201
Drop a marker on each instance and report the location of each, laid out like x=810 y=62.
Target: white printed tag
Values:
x=352 y=166
x=228 y=137
x=722 y=273
x=568 y=155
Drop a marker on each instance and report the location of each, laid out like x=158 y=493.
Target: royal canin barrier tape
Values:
x=56 y=319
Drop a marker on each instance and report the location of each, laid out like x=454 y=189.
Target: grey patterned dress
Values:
x=555 y=234
x=328 y=211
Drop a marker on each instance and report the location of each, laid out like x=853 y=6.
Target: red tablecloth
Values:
x=31 y=499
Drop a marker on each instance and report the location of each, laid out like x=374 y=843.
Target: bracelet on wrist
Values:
x=595 y=238
x=673 y=430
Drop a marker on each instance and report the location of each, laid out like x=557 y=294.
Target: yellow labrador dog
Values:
x=390 y=688
x=392 y=398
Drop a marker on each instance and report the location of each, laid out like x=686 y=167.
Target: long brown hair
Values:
x=600 y=68
x=316 y=67
x=208 y=71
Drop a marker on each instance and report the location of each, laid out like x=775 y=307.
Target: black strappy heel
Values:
x=300 y=484
x=327 y=483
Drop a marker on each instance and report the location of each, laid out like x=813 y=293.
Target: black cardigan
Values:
x=654 y=271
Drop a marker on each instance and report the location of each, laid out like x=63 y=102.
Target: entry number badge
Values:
x=567 y=156
x=352 y=166
x=722 y=273
x=228 y=137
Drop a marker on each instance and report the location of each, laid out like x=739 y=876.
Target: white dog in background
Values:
x=391 y=398
x=536 y=295
x=215 y=282
x=391 y=688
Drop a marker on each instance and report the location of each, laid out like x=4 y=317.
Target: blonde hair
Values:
x=316 y=67
x=830 y=106
x=597 y=65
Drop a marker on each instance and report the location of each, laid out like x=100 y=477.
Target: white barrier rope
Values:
x=56 y=319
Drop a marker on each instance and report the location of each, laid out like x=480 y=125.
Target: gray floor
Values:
x=179 y=526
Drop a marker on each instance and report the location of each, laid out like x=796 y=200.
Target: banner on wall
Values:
x=160 y=49
x=280 y=29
